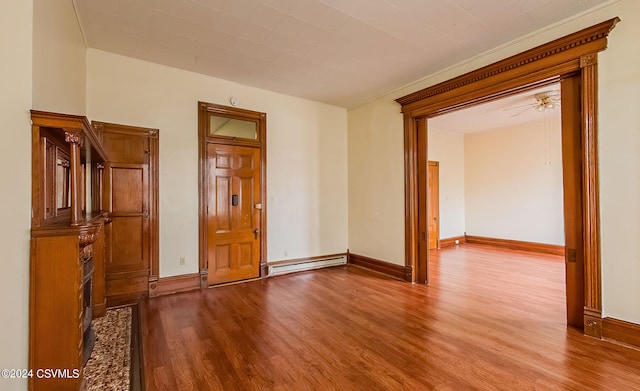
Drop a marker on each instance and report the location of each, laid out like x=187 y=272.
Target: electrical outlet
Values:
x=182 y=261
x=286 y=253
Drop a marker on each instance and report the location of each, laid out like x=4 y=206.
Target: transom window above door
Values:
x=232 y=127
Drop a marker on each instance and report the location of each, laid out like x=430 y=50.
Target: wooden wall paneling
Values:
x=539 y=66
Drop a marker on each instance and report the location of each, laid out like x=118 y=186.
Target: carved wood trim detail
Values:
x=591 y=218
x=573 y=54
x=588 y=60
x=73 y=138
x=554 y=48
x=87 y=238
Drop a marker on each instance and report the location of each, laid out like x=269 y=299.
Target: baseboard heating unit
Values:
x=284 y=267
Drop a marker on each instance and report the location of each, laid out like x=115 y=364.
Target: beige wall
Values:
x=376 y=182
x=15 y=176
x=619 y=143
x=447 y=149
x=306 y=159
x=619 y=148
x=59 y=61
x=513 y=182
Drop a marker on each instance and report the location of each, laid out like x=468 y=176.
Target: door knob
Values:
x=255 y=233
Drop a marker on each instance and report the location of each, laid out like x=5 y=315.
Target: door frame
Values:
x=436 y=197
x=573 y=55
x=204 y=111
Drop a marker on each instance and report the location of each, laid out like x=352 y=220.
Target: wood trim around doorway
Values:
x=572 y=55
x=204 y=138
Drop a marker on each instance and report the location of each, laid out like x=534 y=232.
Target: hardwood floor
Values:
x=491 y=319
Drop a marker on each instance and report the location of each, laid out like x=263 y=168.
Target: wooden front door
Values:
x=233 y=213
x=433 y=206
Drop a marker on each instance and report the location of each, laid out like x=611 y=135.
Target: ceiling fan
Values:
x=546 y=100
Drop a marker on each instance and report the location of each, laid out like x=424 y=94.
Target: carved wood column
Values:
x=75 y=140
x=593 y=280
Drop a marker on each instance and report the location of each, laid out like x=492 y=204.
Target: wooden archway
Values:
x=571 y=60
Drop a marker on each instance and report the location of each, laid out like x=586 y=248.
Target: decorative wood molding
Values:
x=175 y=284
x=72 y=124
x=593 y=323
x=591 y=205
x=516 y=245
x=588 y=60
x=620 y=331
x=87 y=238
x=73 y=138
x=448 y=242
x=595 y=34
x=386 y=268
x=572 y=56
x=97 y=126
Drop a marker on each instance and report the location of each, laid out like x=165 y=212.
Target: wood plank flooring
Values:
x=491 y=319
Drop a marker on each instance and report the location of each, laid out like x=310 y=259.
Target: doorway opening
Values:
x=572 y=62
x=501 y=185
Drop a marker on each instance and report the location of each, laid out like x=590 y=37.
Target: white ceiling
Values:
x=501 y=113
x=341 y=52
